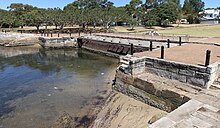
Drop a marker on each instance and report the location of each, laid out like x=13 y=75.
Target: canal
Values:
x=37 y=86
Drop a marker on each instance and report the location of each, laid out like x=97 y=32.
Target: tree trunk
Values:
x=84 y=26
x=38 y=28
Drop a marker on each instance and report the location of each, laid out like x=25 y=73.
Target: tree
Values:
x=163 y=14
x=20 y=11
x=191 y=9
x=35 y=17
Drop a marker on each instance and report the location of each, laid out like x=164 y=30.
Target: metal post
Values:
x=151 y=46
x=162 y=52
x=132 y=49
x=207 y=60
x=180 y=41
x=168 y=43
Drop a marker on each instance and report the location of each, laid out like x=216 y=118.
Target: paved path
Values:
x=202 y=111
x=188 y=53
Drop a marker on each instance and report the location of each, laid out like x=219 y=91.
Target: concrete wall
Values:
x=195 y=75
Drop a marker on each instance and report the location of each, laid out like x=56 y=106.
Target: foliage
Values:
x=102 y=13
x=162 y=15
x=191 y=9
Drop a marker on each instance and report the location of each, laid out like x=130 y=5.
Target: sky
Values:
x=62 y=3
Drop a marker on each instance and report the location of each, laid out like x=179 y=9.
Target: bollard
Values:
x=79 y=33
x=132 y=49
x=58 y=34
x=51 y=34
x=168 y=43
x=5 y=31
x=162 y=52
x=151 y=46
x=180 y=41
x=70 y=34
x=47 y=34
x=90 y=33
x=207 y=59
x=41 y=34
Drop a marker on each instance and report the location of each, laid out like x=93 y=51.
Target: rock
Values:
x=64 y=121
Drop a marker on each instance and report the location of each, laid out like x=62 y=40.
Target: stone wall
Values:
x=65 y=42
x=186 y=73
x=147 y=91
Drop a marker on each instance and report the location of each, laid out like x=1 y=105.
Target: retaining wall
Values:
x=65 y=42
x=110 y=47
x=186 y=73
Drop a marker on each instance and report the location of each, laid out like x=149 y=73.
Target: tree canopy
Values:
x=102 y=13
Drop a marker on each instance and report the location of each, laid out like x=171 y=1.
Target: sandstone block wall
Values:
x=186 y=73
x=64 y=42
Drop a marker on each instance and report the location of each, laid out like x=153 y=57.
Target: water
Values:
x=38 y=86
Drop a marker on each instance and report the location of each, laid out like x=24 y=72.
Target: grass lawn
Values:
x=199 y=31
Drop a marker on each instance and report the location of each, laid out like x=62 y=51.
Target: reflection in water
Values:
x=37 y=87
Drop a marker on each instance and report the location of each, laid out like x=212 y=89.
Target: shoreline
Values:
x=110 y=109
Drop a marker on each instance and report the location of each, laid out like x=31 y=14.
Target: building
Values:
x=210 y=16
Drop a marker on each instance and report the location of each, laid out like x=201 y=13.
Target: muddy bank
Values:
x=16 y=39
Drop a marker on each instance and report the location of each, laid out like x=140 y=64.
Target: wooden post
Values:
x=168 y=43
x=132 y=49
x=207 y=59
x=180 y=41
x=79 y=42
x=151 y=46
x=162 y=52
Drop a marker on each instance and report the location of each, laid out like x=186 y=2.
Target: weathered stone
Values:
x=196 y=81
x=186 y=72
x=162 y=123
x=144 y=85
x=159 y=65
x=204 y=76
x=149 y=64
x=173 y=67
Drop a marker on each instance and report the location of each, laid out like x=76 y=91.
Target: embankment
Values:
x=16 y=39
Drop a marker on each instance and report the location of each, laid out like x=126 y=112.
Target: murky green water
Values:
x=37 y=86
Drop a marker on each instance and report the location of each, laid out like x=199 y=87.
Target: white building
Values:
x=210 y=16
